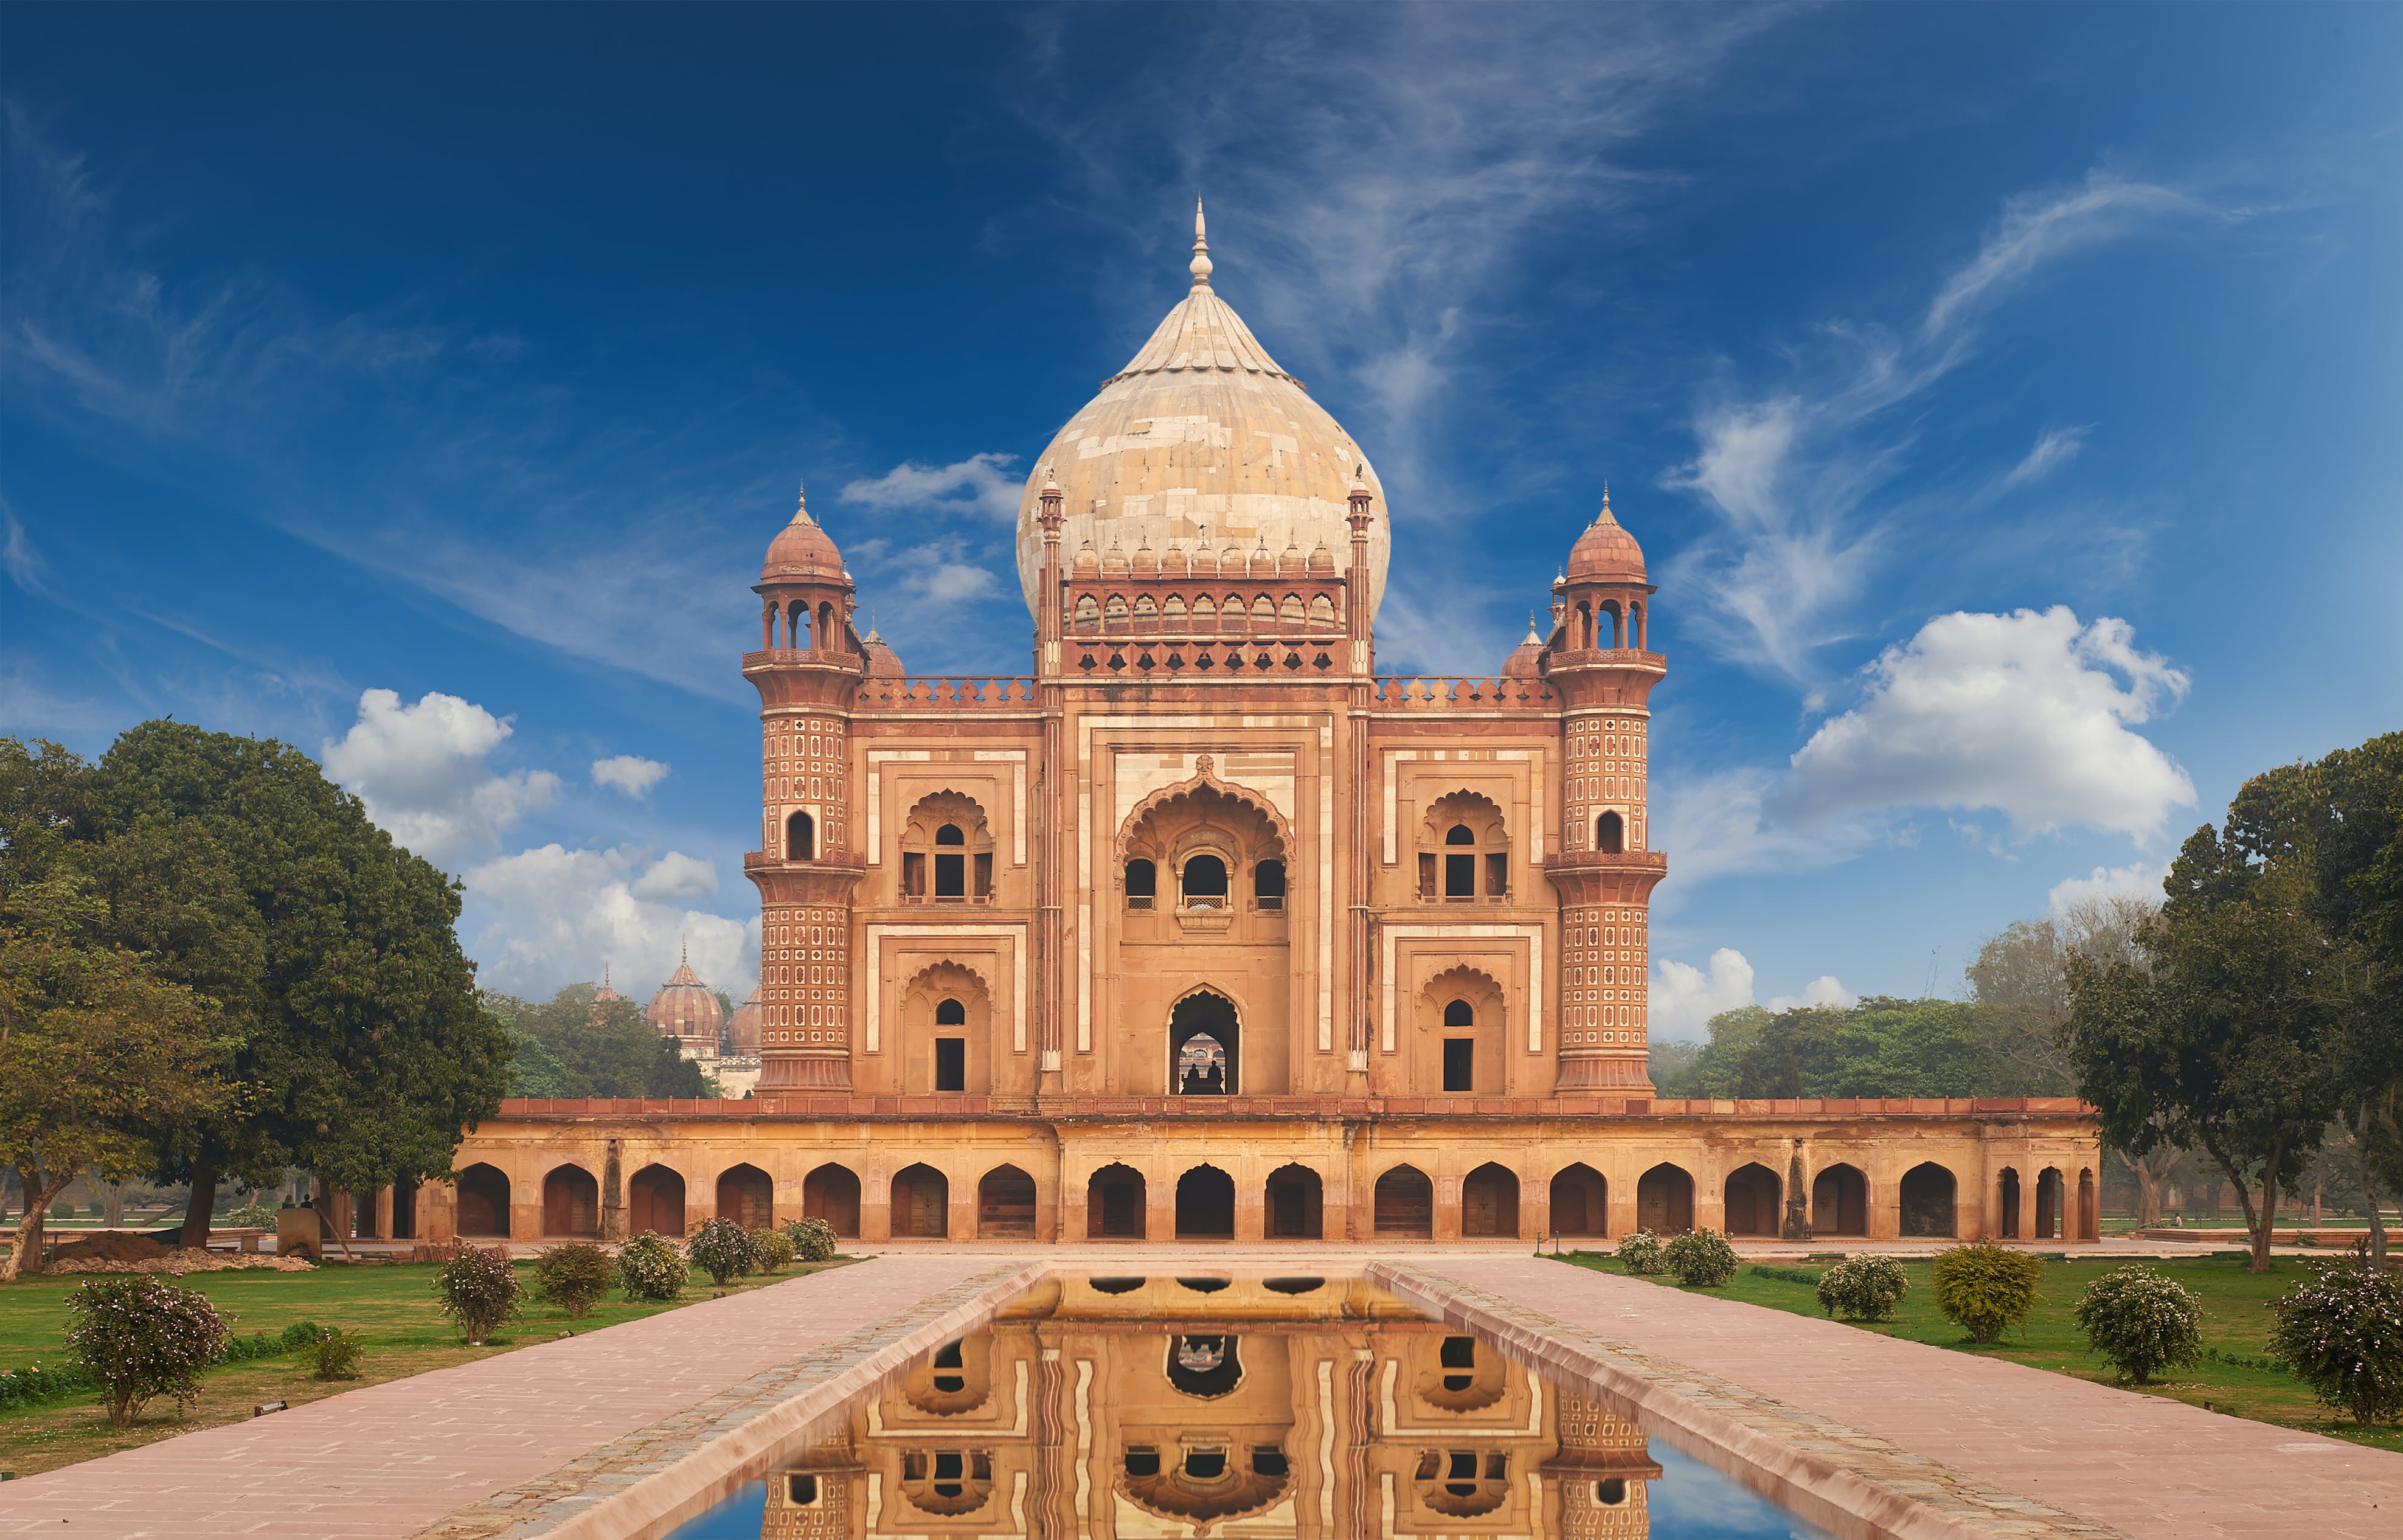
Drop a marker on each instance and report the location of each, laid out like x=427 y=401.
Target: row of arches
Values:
x=1201 y=616
x=802 y=630
x=1293 y=1197
x=1604 y=625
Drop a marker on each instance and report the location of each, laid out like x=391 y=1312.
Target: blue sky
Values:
x=2010 y=401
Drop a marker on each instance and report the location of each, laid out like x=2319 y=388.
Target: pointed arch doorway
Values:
x=1204 y=1046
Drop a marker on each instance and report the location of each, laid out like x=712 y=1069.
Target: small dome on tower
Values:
x=1263 y=564
x=1526 y=661
x=1146 y=560
x=1322 y=562
x=1292 y=561
x=1606 y=554
x=1114 y=560
x=801 y=549
x=1087 y=558
x=1174 y=563
x=1205 y=561
x=882 y=662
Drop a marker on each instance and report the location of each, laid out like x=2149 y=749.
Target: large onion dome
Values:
x=1202 y=434
x=686 y=1010
x=1606 y=554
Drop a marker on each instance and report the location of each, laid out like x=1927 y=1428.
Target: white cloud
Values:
x=2038 y=226
x=677 y=875
x=1719 y=824
x=2139 y=881
x=1823 y=990
x=980 y=482
x=1684 y=997
x=550 y=917
x=630 y=774
x=2053 y=450
x=420 y=770
x=2030 y=714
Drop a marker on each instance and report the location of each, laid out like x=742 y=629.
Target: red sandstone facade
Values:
x=1207 y=928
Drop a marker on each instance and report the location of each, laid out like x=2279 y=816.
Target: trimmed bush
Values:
x=722 y=1249
x=1640 y=1252
x=652 y=1267
x=1700 y=1258
x=2141 y=1320
x=1785 y=1275
x=1986 y=1288
x=253 y=1217
x=480 y=1291
x=141 y=1337
x=1863 y=1289
x=813 y=1239
x=774 y=1249
x=334 y=1354
x=2343 y=1332
x=575 y=1277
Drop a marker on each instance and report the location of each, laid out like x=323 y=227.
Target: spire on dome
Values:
x=1200 y=266
x=802 y=505
x=1604 y=517
x=1532 y=637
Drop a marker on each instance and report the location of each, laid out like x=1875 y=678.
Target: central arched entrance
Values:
x=1203 y=1045
x=1205 y=1204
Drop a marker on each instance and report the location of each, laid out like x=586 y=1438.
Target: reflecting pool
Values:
x=1127 y=1408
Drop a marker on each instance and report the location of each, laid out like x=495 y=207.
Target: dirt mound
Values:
x=110 y=1248
x=175 y=1264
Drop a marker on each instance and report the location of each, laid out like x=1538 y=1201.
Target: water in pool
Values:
x=1149 y=1408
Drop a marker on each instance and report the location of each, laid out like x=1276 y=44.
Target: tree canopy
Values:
x=572 y=1046
x=1880 y=1046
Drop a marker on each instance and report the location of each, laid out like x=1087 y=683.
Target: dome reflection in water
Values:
x=1304 y=1406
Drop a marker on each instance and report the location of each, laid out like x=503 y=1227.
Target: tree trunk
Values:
x=2266 y=1230
x=111 y=1198
x=2151 y=1184
x=38 y=1195
x=196 y=1213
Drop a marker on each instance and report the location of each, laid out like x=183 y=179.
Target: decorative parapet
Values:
x=1014 y=693
x=1428 y=693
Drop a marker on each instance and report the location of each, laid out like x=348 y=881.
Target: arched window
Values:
x=824 y=641
x=1114 y=613
x=1460 y=1053
x=1205 y=882
x=1263 y=612
x=801 y=837
x=1268 y=885
x=1205 y=613
x=1463 y=851
x=1321 y=611
x=950 y=863
x=1585 y=626
x=1142 y=884
x=950 y=1053
x=1610 y=833
x=1088 y=614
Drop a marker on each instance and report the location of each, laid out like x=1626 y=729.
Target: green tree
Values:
x=359 y=1034
x=601 y=1048
x=94 y=1048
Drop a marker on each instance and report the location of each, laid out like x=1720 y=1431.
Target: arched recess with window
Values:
x=1205 y=1045
x=946 y=1032
x=801 y=837
x=571 y=1203
x=1610 y=833
x=1463 y=851
x=946 y=852
x=1462 y=1043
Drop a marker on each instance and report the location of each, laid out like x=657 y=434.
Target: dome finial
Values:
x=1604 y=517
x=1532 y=637
x=802 y=503
x=1200 y=266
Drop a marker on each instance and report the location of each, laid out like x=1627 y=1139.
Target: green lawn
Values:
x=2235 y=1321
x=391 y=1306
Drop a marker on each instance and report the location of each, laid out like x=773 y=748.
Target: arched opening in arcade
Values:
x=1205 y=883
x=571 y=1203
x=831 y=1193
x=746 y=1195
x=1204 y=1046
x=921 y=1202
x=483 y=1201
x=1295 y=1204
x=1580 y=1202
x=2089 y=1222
x=1114 y=1204
x=1840 y=1201
x=1006 y=1204
x=801 y=837
x=1205 y=1204
x=1405 y=1204
x=1489 y=1201
x=1664 y=1199
x=2008 y=1198
x=1610 y=833
x=1752 y=1200
x=655 y=1202
x=1927 y=1194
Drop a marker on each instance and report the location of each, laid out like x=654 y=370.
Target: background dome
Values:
x=687 y=1010
x=1203 y=433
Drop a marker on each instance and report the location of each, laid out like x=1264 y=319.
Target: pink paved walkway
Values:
x=387 y=1459
x=2145 y=1465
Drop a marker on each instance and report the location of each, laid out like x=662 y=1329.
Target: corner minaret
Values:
x=807 y=671
x=1599 y=662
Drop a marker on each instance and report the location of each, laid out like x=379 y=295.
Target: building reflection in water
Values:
x=1125 y=1407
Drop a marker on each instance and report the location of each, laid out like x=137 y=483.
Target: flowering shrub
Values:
x=2142 y=1321
x=813 y=1239
x=479 y=1290
x=774 y=1248
x=575 y=1277
x=142 y=1337
x=1985 y=1287
x=334 y=1354
x=1863 y=1289
x=2343 y=1332
x=1641 y=1252
x=723 y=1249
x=651 y=1267
x=1700 y=1258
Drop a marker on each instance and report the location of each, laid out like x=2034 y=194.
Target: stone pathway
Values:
x=1976 y=1428
x=392 y=1459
